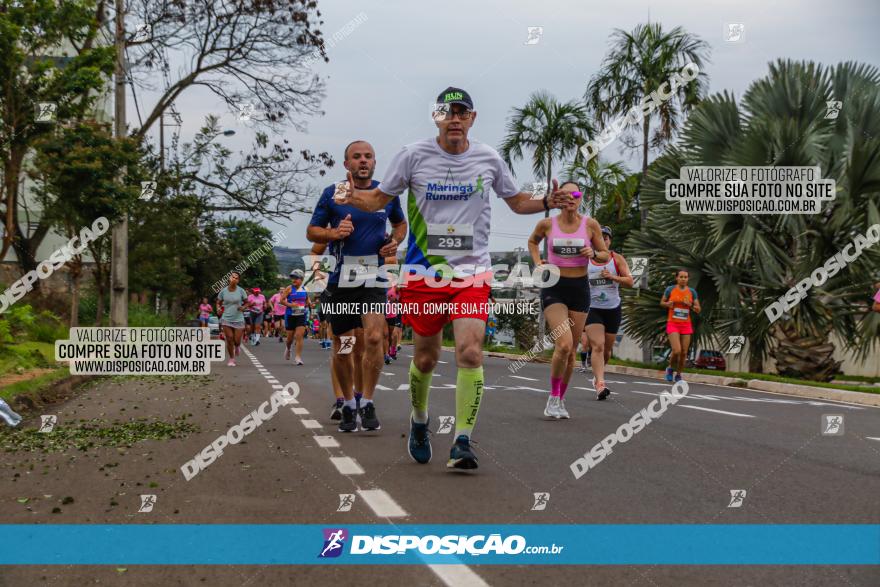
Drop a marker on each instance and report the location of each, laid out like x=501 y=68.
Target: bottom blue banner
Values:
x=252 y=544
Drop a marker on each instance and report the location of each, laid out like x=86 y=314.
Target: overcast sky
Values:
x=382 y=78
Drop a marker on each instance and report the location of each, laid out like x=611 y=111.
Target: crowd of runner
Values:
x=447 y=262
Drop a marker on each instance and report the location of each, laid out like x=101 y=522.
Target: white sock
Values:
x=366 y=402
x=350 y=403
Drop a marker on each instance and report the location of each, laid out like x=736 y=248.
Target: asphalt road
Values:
x=678 y=470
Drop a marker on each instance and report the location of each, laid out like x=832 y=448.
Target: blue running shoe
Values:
x=419 y=443
x=461 y=456
x=668 y=373
x=677 y=377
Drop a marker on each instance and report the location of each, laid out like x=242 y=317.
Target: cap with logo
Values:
x=607 y=230
x=455 y=96
x=297 y=273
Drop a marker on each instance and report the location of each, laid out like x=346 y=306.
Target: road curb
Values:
x=60 y=388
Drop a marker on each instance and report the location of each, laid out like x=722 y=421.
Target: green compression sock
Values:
x=468 y=393
x=419 y=386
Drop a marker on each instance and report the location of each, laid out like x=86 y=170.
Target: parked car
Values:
x=214 y=326
x=708 y=359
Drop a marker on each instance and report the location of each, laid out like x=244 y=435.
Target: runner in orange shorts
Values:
x=680 y=300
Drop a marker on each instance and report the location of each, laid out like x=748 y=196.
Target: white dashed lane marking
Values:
x=347 y=465
x=381 y=503
x=327 y=442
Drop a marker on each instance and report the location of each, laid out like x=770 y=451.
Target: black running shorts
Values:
x=293 y=322
x=354 y=301
x=608 y=317
x=573 y=292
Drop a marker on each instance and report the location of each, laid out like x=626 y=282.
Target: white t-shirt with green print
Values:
x=448 y=203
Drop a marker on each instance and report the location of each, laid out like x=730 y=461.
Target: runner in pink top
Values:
x=204 y=312
x=572 y=240
x=564 y=247
x=876 y=307
x=277 y=314
x=258 y=302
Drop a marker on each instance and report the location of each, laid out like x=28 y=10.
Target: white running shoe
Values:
x=231 y=363
x=287 y=353
x=299 y=361
x=560 y=409
x=551 y=410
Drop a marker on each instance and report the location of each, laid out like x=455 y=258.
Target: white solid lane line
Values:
x=381 y=503
x=873 y=438
x=718 y=411
x=525 y=378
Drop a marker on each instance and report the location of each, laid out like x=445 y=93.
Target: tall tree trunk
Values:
x=643 y=219
x=643 y=211
x=75 y=273
x=804 y=355
x=100 y=277
x=756 y=364
x=11 y=173
x=99 y=305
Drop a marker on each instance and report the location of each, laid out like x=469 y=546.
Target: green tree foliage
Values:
x=740 y=264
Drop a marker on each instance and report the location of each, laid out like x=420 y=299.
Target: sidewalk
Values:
x=841 y=395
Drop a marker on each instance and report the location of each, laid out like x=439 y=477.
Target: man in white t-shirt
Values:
x=448 y=178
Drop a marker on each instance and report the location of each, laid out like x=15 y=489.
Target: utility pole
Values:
x=119 y=254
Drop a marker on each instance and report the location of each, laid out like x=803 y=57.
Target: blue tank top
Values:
x=298 y=299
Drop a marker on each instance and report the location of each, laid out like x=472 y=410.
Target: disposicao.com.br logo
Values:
x=451 y=544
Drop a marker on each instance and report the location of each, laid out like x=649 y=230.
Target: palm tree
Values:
x=552 y=130
x=740 y=264
x=638 y=64
x=600 y=179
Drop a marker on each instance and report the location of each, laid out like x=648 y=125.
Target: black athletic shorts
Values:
x=608 y=317
x=247 y=317
x=293 y=322
x=574 y=292
x=358 y=300
x=396 y=321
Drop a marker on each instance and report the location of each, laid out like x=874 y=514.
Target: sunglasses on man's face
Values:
x=445 y=112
